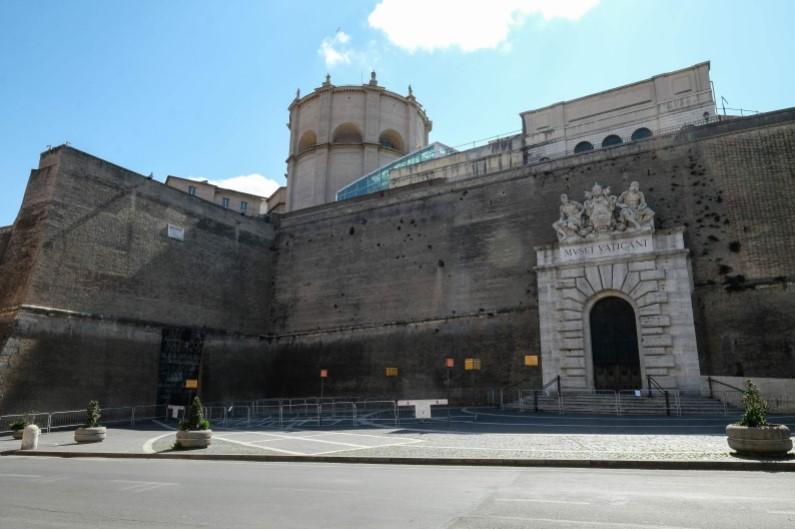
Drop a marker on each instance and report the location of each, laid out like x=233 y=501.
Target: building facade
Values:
x=243 y=203
x=664 y=260
x=340 y=133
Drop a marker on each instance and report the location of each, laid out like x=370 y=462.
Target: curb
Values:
x=559 y=463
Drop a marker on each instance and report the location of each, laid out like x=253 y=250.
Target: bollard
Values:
x=30 y=437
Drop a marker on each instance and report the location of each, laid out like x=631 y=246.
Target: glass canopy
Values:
x=379 y=180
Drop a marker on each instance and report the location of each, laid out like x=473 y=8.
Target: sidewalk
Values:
x=481 y=437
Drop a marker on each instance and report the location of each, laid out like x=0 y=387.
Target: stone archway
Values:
x=615 y=357
x=607 y=246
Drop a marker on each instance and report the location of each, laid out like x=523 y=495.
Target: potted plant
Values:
x=753 y=435
x=91 y=432
x=194 y=432
x=17 y=427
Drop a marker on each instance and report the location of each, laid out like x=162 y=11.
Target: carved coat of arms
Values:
x=603 y=213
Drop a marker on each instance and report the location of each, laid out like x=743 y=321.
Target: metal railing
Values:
x=49 y=421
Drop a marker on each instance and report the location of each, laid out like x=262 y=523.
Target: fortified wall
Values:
x=446 y=267
x=116 y=287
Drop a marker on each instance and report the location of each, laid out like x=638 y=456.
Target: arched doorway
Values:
x=614 y=345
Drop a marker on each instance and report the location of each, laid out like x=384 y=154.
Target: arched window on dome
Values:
x=391 y=140
x=307 y=141
x=612 y=140
x=583 y=146
x=641 y=134
x=347 y=133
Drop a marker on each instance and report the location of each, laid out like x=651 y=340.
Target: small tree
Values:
x=18 y=425
x=195 y=419
x=755 y=413
x=93 y=414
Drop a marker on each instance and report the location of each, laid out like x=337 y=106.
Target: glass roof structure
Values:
x=379 y=180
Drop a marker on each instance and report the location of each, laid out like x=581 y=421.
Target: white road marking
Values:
x=782 y=512
x=142 y=486
x=581 y=523
x=31 y=476
x=290 y=452
x=533 y=500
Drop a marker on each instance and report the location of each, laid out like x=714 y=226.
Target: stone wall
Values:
x=366 y=283
x=90 y=277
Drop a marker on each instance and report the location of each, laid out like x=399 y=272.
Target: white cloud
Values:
x=468 y=24
x=336 y=50
x=254 y=183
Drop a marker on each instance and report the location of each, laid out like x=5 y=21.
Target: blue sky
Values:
x=201 y=88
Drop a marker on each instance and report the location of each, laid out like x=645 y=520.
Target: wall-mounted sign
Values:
x=176 y=232
x=531 y=360
x=391 y=371
x=191 y=383
x=472 y=364
x=324 y=373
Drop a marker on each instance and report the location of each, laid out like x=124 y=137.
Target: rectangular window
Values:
x=191 y=190
x=243 y=205
x=225 y=202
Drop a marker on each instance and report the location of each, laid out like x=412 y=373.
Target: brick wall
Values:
x=89 y=278
x=360 y=284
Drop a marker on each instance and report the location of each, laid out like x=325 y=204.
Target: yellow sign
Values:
x=531 y=360
x=472 y=364
x=191 y=383
x=391 y=371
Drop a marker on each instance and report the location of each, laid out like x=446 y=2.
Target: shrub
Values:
x=755 y=413
x=195 y=419
x=18 y=425
x=93 y=414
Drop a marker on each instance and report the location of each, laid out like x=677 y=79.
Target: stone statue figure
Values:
x=603 y=213
x=633 y=212
x=569 y=225
x=599 y=209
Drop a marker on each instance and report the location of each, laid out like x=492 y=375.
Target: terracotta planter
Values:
x=194 y=438
x=771 y=440
x=17 y=434
x=90 y=435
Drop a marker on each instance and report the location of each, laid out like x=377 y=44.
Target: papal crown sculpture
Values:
x=603 y=213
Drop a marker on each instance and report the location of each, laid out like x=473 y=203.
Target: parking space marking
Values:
x=268 y=438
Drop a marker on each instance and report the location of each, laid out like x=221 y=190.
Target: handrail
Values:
x=555 y=380
x=656 y=385
x=710 y=381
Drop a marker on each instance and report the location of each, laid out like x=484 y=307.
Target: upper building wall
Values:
x=94 y=238
x=244 y=203
x=340 y=133
x=662 y=102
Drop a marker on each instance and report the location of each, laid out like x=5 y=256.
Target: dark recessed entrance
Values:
x=614 y=345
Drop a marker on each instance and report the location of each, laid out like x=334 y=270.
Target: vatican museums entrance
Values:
x=614 y=345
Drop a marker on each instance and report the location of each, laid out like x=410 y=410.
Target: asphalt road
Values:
x=117 y=493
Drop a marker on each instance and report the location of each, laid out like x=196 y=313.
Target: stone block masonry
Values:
x=89 y=278
x=429 y=256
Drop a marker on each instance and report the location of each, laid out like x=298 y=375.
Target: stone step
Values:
x=606 y=404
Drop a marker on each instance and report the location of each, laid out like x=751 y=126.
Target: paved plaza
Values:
x=465 y=433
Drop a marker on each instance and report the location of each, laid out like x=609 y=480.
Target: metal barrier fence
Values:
x=48 y=421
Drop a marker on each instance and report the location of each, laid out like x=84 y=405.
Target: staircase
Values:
x=621 y=403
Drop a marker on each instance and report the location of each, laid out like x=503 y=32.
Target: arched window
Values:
x=308 y=140
x=612 y=140
x=583 y=146
x=641 y=134
x=347 y=133
x=391 y=140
